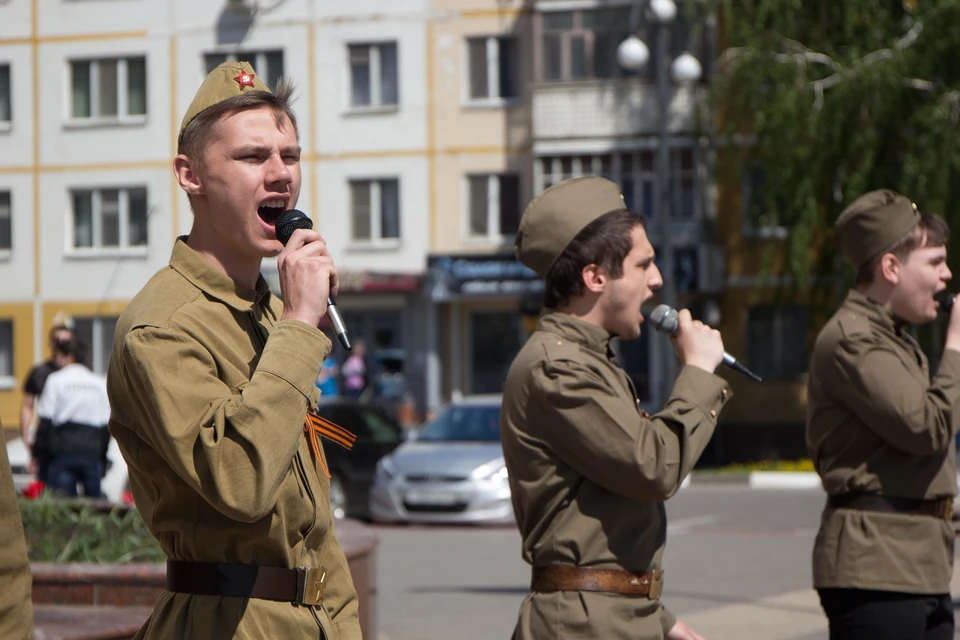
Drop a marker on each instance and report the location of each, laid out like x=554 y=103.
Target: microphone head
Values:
x=665 y=319
x=288 y=222
x=946 y=303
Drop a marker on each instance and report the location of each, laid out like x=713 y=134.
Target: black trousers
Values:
x=859 y=614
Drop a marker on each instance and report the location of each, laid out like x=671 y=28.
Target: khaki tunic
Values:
x=16 y=610
x=876 y=423
x=209 y=391
x=589 y=472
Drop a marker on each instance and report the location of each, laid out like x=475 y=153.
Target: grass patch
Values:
x=804 y=464
x=60 y=530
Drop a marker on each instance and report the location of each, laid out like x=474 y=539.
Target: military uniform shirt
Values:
x=16 y=610
x=877 y=424
x=589 y=472
x=209 y=390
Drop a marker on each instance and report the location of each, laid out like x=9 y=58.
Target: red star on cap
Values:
x=245 y=79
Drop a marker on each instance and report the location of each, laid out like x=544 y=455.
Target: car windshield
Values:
x=464 y=423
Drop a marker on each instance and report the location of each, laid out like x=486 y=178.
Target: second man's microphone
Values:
x=666 y=320
x=946 y=303
x=287 y=223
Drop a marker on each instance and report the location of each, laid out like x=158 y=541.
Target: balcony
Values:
x=606 y=109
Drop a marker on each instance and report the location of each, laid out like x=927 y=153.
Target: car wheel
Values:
x=338 y=498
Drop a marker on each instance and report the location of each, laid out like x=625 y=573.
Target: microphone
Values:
x=946 y=303
x=287 y=223
x=667 y=320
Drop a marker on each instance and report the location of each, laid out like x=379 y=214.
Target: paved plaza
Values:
x=737 y=568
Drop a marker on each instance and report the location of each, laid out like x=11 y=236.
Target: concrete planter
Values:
x=111 y=601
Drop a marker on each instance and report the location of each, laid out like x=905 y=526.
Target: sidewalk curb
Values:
x=800 y=480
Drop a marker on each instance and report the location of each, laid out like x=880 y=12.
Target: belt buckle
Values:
x=947 y=509
x=656 y=584
x=314 y=584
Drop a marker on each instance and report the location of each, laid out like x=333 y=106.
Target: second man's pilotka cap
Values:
x=227 y=80
x=554 y=218
x=873 y=222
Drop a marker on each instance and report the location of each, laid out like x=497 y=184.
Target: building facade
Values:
x=426 y=127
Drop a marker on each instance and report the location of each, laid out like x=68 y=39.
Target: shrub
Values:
x=804 y=464
x=60 y=530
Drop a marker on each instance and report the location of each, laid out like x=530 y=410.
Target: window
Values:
x=494 y=205
x=582 y=45
x=6 y=97
x=109 y=88
x=635 y=172
x=267 y=64
x=373 y=75
x=494 y=68
x=757 y=222
x=97 y=335
x=110 y=218
x=495 y=340
x=777 y=341
x=6 y=213
x=375 y=208
x=381 y=428
x=6 y=349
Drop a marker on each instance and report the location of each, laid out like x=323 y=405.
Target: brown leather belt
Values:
x=941 y=508
x=300 y=585
x=627 y=583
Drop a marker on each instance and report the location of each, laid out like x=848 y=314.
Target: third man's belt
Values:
x=627 y=583
x=938 y=508
x=301 y=585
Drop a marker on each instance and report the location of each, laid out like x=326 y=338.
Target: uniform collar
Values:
x=214 y=282
x=874 y=310
x=576 y=330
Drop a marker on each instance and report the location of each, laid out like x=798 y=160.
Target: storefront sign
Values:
x=371 y=281
x=361 y=281
x=479 y=276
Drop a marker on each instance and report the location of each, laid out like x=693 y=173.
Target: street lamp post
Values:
x=663 y=210
x=633 y=54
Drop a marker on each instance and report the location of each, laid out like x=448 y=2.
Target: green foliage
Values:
x=804 y=464
x=75 y=531
x=842 y=97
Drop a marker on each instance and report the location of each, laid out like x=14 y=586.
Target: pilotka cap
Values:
x=229 y=79
x=873 y=222
x=554 y=218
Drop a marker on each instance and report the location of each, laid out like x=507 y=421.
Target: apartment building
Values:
x=591 y=116
x=427 y=125
x=481 y=179
x=414 y=118
x=91 y=96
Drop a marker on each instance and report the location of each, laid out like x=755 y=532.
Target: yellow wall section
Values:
x=81 y=310
x=22 y=316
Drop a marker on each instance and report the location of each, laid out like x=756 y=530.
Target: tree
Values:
x=839 y=98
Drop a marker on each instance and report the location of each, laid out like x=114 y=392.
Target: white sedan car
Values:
x=450 y=471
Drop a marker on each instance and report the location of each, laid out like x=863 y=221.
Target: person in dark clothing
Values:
x=32 y=388
x=74 y=410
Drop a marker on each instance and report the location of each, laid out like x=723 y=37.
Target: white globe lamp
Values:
x=633 y=53
x=663 y=10
x=686 y=68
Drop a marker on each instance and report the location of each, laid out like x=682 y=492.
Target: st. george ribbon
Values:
x=666 y=320
x=287 y=223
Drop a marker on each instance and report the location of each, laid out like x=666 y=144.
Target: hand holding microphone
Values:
x=695 y=343
x=306 y=270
